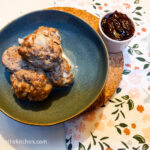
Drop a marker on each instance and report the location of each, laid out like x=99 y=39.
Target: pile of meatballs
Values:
x=37 y=65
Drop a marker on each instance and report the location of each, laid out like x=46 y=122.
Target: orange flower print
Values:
x=109 y=149
x=105 y=4
x=146 y=133
x=149 y=88
x=96 y=125
x=144 y=29
x=138 y=33
x=99 y=126
x=136 y=68
x=126 y=131
x=100 y=7
x=110 y=123
x=140 y=108
x=89 y=116
x=133 y=125
x=80 y=127
x=127 y=5
x=146 y=118
x=102 y=116
x=134 y=93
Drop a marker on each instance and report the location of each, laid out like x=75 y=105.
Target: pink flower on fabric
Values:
x=110 y=123
x=90 y=116
x=80 y=127
x=81 y=3
x=134 y=78
x=133 y=62
x=68 y=131
x=102 y=116
x=146 y=133
x=146 y=117
x=128 y=65
x=148 y=54
x=134 y=93
x=86 y=3
x=60 y=0
x=123 y=84
x=118 y=8
x=76 y=136
x=126 y=56
x=116 y=1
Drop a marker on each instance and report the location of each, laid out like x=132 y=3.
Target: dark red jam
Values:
x=117 y=26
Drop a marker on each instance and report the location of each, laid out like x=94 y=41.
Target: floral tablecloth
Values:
x=124 y=121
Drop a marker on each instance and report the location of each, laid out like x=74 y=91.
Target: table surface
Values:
x=54 y=135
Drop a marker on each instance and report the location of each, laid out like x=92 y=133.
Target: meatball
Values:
x=12 y=60
x=62 y=75
x=31 y=84
x=42 y=48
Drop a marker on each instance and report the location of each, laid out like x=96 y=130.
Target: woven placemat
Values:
x=115 y=60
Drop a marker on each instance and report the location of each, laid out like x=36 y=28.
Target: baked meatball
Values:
x=42 y=48
x=12 y=60
x=62 y=75
x=31 y=84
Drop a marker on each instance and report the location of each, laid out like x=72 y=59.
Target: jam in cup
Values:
x=117 y=31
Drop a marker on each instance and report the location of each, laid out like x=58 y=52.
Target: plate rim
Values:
x=92 y=101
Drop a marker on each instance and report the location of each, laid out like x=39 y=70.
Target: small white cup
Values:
x=115 y=46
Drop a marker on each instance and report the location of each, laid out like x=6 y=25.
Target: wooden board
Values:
x=115 y=60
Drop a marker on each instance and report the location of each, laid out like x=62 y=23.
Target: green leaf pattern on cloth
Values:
x=124 y=121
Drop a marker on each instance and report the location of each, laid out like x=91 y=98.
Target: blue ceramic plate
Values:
x=87 y=53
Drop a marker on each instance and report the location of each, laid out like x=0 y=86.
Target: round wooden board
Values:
x=115 y=60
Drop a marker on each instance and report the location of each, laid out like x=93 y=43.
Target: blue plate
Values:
x=87 y=53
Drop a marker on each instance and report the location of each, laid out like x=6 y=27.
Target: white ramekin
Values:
x=115 y=46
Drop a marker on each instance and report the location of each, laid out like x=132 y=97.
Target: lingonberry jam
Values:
x=118 y=26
